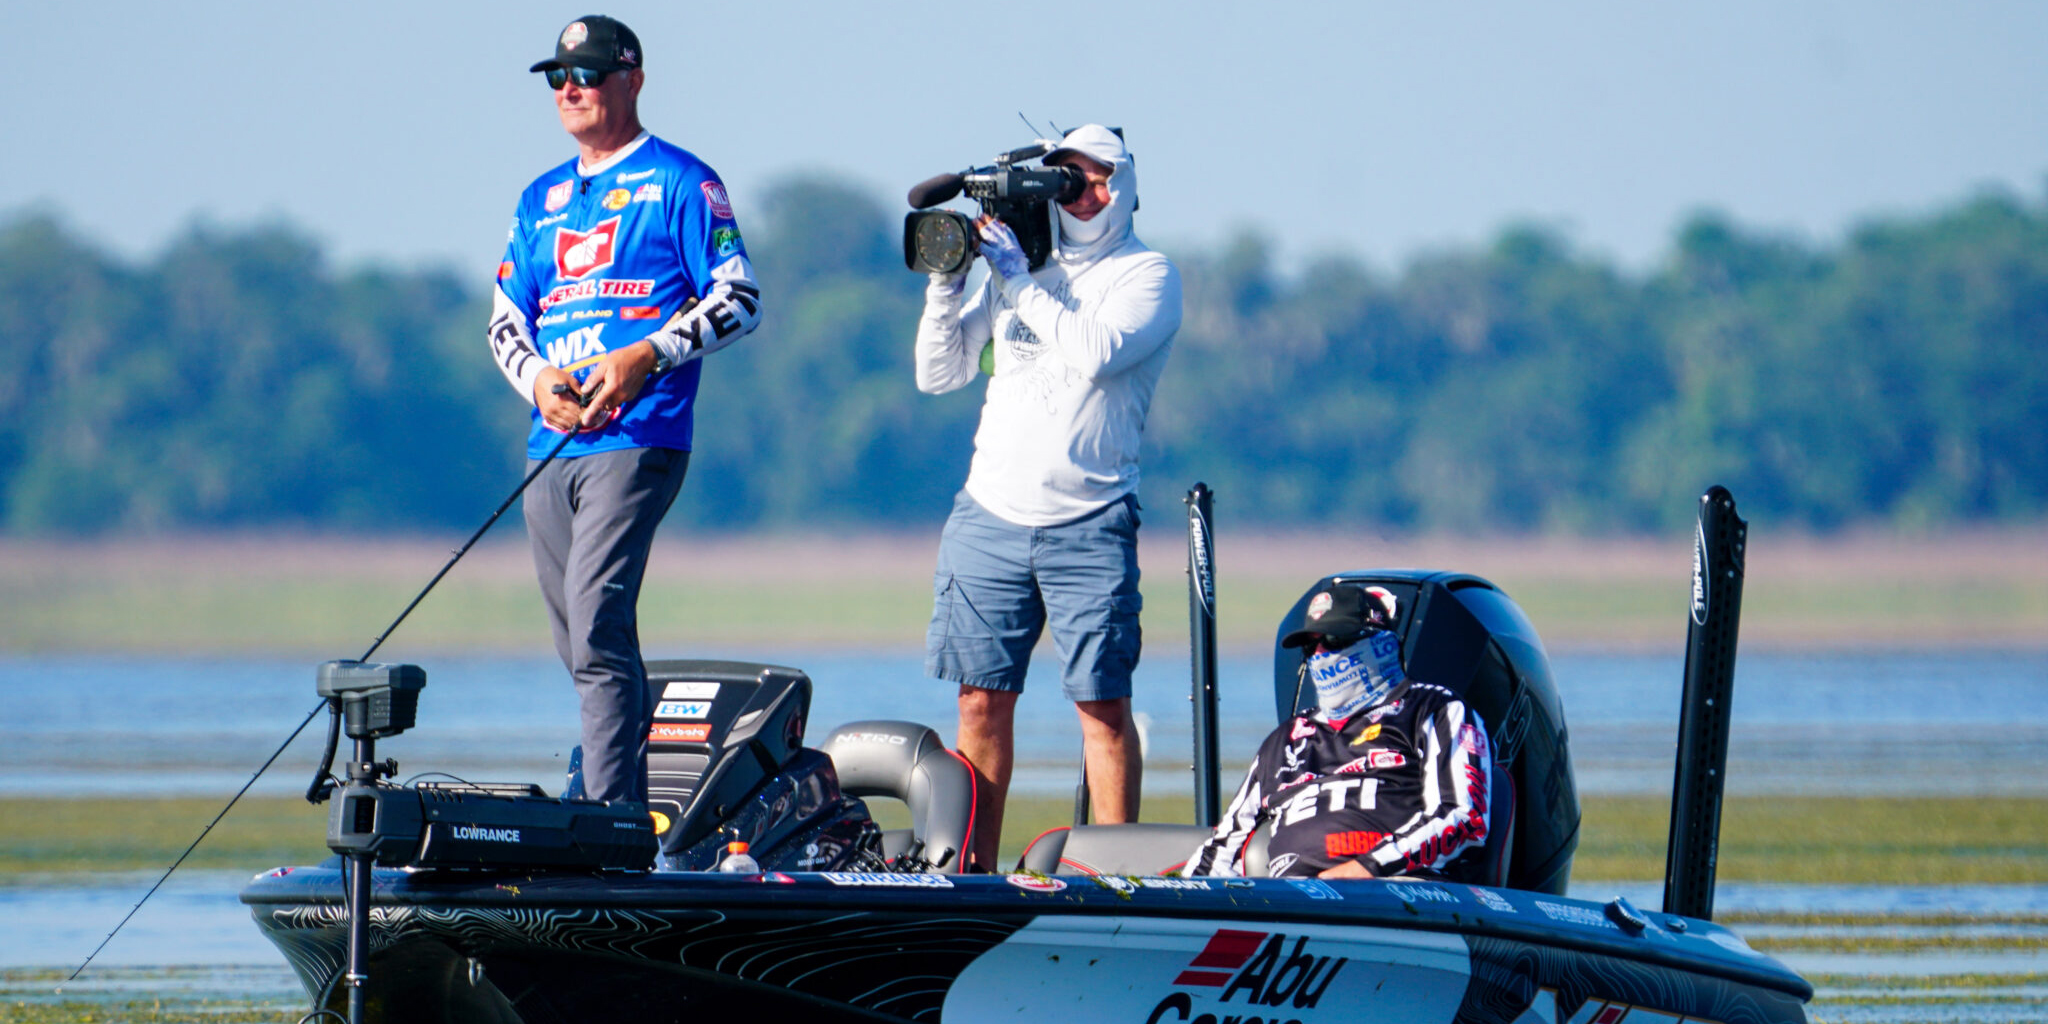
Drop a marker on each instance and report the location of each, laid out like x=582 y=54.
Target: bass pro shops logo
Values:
x=1247 y=972
x=579 y=253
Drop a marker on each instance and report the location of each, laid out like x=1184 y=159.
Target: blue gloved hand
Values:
x=1000 y=246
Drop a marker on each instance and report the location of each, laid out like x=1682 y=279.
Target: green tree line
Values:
x=1895 y=378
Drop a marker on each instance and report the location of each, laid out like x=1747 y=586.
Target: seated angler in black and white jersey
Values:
x=1386 y=777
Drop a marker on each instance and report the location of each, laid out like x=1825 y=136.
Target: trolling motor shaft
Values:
x=369 y=700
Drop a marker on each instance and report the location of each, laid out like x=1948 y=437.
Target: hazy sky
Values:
x=403 y=132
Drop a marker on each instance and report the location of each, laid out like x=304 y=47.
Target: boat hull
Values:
x=541 y=949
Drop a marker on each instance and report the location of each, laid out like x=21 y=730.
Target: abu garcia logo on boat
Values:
x=1257 y=969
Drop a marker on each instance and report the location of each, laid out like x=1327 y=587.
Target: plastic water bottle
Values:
x=738 y=861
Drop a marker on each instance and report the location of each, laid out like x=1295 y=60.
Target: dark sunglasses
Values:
x=1337 y=643
x=585 y=77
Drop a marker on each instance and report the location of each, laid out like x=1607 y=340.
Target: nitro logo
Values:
x=576 y=346
x=578 y=253
x=1251 y=969
x=487 y=835
x=888 y=738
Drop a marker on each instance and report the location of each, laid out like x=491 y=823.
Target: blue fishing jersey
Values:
x=596 y=262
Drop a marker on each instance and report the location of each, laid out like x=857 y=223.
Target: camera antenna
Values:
x=1036 y=132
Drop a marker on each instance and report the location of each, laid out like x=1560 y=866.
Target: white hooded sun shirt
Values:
x=1078 y=348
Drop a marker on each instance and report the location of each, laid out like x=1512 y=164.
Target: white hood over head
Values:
x=1086 y=240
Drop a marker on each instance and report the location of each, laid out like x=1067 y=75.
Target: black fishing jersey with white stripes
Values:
x=1400 y=787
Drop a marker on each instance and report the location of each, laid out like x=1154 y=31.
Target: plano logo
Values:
x=1386 y=759
x=558 y=195
x=683 y=709
x=1259 y=966
x=721 y=206
x=690 y=691
x=580 y=253
x=666 y=733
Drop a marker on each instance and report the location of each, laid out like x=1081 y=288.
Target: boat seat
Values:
x=1488 y=865
x=909 y=762
x=1141 y=848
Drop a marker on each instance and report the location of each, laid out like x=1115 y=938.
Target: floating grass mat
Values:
x=1808 y=840
x=151 y=995
x=1932 y=919
x=1912 y=982
x=1830 y=840
x=1907 y=999
x=1894 y=943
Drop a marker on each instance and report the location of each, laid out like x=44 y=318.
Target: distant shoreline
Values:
x=283 y=593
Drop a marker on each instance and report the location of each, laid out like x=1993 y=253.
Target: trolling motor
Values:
x=370 y=701
x=448 y=825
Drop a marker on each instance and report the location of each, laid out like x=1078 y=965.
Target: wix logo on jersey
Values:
x=576 y=346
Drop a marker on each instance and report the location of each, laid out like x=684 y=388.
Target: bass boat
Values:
x=493 y=903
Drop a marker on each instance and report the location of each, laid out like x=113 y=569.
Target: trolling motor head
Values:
x=376 y=700
x=370 y=701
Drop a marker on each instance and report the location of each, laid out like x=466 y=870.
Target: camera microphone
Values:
x=935 y=190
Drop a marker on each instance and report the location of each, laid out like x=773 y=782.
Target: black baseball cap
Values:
x=1342 y=612
x=595 y=42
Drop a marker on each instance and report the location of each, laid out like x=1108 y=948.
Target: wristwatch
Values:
x=662 y=363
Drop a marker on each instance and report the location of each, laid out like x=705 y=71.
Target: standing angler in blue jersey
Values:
x=623 y=268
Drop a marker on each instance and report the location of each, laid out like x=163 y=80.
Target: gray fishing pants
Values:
x=592 y=520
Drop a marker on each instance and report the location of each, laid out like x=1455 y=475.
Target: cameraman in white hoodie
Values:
x=1045 y=530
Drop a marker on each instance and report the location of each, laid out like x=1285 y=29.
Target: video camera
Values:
x=944 y=241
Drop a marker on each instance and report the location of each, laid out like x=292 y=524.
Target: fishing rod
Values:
x=323 y=779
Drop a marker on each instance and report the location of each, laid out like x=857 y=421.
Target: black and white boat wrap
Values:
x=450 y=946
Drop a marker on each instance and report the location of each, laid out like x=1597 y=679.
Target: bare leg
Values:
x=1109 y=741
x=987 y=740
